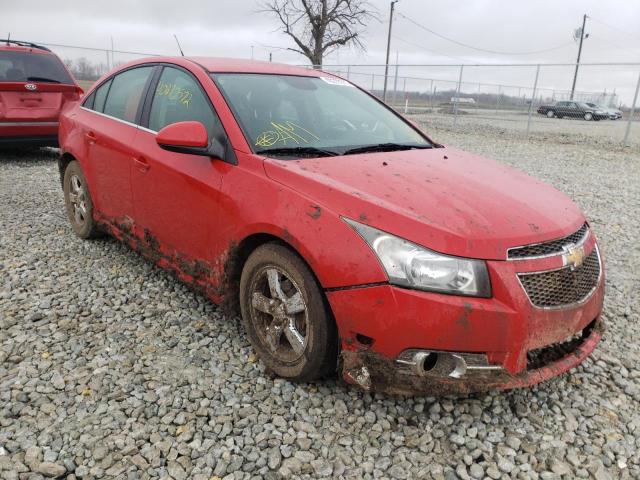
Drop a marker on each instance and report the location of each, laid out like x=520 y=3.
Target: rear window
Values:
x=32 y=67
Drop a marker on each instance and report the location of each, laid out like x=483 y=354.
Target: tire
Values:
x=78 y=202
x=550 y=113
x=588 y=116
x=285 y=315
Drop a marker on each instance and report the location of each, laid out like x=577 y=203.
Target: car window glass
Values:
x=101 y=96
x=179 y=98
x=277 y=111
x=125 y=93
x=16 y=66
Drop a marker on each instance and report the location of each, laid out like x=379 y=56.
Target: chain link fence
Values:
x=500 y=97
x=509 y=97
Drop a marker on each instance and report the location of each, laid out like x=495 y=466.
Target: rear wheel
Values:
x=588 y=116
x=285 y=315
x=78 y=202
x=550 y=114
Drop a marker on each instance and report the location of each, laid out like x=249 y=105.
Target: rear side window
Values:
x=32 y=67
x=125 y=93
x=100 y=96
x=179 y=98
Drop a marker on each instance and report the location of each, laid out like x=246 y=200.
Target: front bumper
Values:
x=379 y=324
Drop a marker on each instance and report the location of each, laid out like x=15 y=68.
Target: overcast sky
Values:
x=231 y=27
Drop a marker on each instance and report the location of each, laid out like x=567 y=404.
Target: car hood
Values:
x=445 y=199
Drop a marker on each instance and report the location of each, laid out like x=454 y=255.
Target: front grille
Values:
x=554 y=247
x=557 y=288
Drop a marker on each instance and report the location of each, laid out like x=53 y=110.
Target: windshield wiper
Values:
x=384 y=147
x=42 y=79
x=306 y=151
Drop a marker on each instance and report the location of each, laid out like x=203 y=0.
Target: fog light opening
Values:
x=364 y=340
x=429 y=361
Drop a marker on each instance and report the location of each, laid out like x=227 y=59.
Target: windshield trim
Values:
x=214 y=77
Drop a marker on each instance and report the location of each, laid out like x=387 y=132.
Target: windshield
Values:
x=306 y=114
x=37 y=67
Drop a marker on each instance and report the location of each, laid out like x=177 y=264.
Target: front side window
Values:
x=18 y=66
x=179 y=98
x=286 y=111
x=123 y=97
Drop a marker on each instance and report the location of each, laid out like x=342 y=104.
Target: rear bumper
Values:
x=29 y=141
x=28 y=134
x=509 y=342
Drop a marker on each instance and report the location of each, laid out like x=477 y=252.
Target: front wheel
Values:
x=588 y=116
x=285 y=315
x=78 y=202
x=550 y=114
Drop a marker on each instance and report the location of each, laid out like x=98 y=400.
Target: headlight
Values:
x=413 y=266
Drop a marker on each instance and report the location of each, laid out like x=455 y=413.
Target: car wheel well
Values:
x=63 y=162
x=236 y=259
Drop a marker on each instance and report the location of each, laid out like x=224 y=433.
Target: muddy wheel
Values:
x=285 y=315
x=588 y=116
x=78 y=202
x=550 y=113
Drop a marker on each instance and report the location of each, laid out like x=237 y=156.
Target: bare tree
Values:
x=319 y=26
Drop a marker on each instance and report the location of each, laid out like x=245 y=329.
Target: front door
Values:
x=177 y=195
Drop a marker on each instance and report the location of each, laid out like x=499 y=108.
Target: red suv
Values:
x=34 y=88
x=344 y=236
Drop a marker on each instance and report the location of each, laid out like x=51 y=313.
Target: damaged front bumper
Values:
x=428 y=372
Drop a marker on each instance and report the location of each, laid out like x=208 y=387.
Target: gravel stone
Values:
x=49 y=469
x=111 y=368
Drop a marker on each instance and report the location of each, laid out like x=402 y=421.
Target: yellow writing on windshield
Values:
x=175 y=93
x=285 y=132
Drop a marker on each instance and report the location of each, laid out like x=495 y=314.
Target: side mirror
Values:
x=189 y=137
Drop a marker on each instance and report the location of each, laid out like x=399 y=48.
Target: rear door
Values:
x=34 y=86
x=108 y=122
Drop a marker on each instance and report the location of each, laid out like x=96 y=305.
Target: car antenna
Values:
x=179 y=47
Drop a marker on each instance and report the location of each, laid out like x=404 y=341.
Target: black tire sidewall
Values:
x=320 y=354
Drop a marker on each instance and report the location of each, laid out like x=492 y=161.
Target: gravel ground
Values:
x=111 y=368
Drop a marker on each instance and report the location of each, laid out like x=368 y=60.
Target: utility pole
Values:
x=582 y=37
x=386 y=65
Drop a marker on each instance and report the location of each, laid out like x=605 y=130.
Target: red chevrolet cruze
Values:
x=344 y=236
x=34 y=88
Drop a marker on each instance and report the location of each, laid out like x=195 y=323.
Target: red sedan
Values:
x=344 y=236
x=34 y=88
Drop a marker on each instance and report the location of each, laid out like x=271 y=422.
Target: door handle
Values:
x=141 y=163
x=91 y=137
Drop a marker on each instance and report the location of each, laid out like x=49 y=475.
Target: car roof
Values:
x=22 y=46
x=229 y=65
x=235 y=65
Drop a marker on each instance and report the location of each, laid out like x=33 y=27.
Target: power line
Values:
x=481 y=49
x=615 y=28
x=421 y=47
x=97 y=49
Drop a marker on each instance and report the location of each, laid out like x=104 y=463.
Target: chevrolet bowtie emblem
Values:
x=573 y=256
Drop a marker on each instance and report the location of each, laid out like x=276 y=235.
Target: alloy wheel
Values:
x=78 y=199
x=279 y=314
